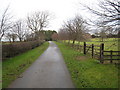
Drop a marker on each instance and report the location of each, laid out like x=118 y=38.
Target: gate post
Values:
x=102 y=52
x=111 y=56
x=84 y=48
x=92 y=50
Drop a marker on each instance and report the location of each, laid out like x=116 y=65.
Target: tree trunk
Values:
x=1 y=37
x=20 y=39
x=9 y=40
x=73 y=42
x=13 y=40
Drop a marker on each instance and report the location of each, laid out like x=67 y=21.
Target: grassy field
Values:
x=110 y=43
x=13 y=67
x=87 y=72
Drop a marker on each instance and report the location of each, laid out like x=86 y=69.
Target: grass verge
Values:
x=13 y=67
x=87 y=72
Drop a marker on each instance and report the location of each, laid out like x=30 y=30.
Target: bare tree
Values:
x=55 y=36
x=63 y=34
x=108 y=13
x=80 y=28
x=11 y=37
x=4 y=23
x=8 y=36
x=19 y=29
x=68 y=26
x=102 y=33
x=29 y=36
x=38 y=20
x=75 y=28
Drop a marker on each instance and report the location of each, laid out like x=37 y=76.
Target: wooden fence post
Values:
x=84 y=48
x=79 y=45
x=111 y=56
x=102 y=53
x=92 y=50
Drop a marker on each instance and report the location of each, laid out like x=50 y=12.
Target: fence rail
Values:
x=113 y=51
x=98 y=51
x=111 y=55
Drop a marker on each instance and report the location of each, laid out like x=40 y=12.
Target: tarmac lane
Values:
x=48 y=71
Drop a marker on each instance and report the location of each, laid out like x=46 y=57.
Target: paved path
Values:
x=48 y=71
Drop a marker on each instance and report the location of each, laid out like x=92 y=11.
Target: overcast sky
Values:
x=61 y=10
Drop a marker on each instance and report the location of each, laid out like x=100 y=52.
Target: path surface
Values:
x=48 y=71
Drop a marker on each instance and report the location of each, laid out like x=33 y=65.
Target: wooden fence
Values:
x=113 y=55
x=97 y=51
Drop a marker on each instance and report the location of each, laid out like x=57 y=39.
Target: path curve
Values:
x=48 y=71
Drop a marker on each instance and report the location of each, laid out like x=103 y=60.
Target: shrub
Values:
x=13 y=49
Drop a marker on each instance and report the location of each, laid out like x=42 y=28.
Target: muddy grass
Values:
x=81 y=58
